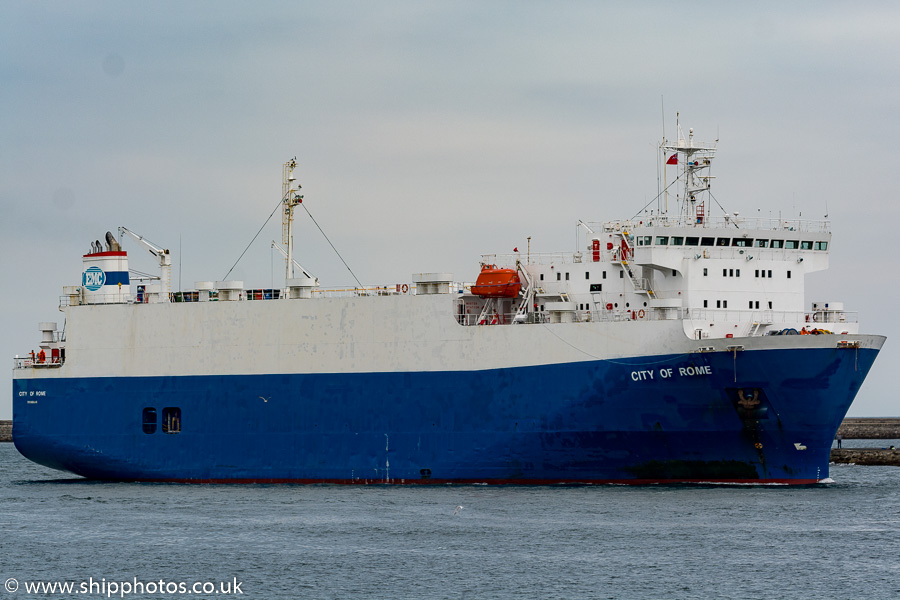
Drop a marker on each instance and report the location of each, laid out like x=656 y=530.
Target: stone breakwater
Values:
x=870 y=429
x=866 y=456
x=5 y=431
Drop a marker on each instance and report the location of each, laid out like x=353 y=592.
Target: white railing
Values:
x=787 y=319
x=545 y=258
x=27 y=362
x=716 y=222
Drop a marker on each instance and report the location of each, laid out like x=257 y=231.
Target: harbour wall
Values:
x=5 y=431
x=870 y=429
x=866 y=456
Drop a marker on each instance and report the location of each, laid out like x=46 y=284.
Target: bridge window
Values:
x=149 y=420
x=677 y=241
x=722 y=241
x=708 y=242
x=171 y=420
x=692 y=241
x=821 y=245
x=777 y=244
x=790 y=244
x=662 y=240
x=806 y=245
x=761 y=243
x=742 y=242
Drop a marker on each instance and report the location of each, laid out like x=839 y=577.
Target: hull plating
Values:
x=758 y=416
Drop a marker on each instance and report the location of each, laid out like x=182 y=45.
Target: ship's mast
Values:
x=695 y=159
x=289 y=198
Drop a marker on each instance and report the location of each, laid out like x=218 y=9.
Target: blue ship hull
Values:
x=754 y=416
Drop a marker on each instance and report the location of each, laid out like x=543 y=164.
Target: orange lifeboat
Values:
x=494 y=282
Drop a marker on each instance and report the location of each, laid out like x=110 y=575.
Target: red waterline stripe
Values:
x=491 y=481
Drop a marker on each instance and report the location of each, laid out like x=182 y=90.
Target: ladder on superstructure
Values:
x=625 y=250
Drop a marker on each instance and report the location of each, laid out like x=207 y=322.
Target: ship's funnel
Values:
x=105 y=276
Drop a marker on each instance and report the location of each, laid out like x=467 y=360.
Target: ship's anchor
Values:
x=751 y=402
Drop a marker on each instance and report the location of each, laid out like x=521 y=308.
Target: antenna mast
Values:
x=695 y=159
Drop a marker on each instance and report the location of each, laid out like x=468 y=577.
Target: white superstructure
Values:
x=709 y=277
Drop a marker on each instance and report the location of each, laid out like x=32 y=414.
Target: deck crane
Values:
x=296 y=264
x=165 y=262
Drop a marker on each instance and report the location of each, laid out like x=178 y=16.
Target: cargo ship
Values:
x=671 y=347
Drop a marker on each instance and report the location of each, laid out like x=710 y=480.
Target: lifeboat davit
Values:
x=494 y=282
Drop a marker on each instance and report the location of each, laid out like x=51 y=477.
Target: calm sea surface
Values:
x=839 y=540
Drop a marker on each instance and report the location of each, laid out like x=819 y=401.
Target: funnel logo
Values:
x=93 y=278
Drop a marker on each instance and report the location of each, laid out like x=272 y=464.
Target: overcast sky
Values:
x=429 y=133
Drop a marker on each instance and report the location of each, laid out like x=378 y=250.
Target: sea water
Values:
x=837 y=540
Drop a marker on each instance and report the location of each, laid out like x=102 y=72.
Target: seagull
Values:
x=264 y=399
x=457 y=509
